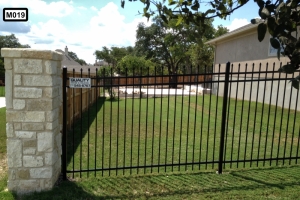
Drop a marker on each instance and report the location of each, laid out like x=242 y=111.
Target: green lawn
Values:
x=138 y=132
x=2 y=91
x=268 y=183
x=264 y=183
x=2 y=132
x=3 y=166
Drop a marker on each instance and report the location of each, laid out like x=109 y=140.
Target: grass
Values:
x=3 y=165
x=2 y=91
x=2 y=132
x=150 y=132
x=264 y=183
x=267 y=183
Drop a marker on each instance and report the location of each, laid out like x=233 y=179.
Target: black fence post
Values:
x=64 y=133
x=224 y=114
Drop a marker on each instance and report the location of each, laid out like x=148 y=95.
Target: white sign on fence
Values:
x=80 y=82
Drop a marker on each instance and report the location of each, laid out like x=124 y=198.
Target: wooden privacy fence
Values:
x=79 y=99
x=157 y=80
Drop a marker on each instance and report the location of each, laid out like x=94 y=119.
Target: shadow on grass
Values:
x=81 y=126
x=242 y=184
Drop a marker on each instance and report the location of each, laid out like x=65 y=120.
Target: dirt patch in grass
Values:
x=3 y=166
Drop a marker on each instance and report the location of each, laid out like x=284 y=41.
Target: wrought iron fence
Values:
x=248 y=117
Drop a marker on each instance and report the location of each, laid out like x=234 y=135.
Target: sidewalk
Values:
x=2 y=102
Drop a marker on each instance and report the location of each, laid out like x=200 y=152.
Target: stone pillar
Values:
x=33 y=95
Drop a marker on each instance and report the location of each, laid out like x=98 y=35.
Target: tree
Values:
x=117 y=54
x=188 y=11
x=221 y=30
x=165 y=43
x=280 y=18
x=133 y=65
x=201 y=55
x=177 y=45
x=106 y=73
x=9 y=41
x=75 y=57
x=104 y=54
x=81 y=62
x=114 y=55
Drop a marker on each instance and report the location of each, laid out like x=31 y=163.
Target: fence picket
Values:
x=149 y=125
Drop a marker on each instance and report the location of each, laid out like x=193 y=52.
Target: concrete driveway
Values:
x=2 y=102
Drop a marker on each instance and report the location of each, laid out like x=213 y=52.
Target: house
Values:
x=241 y=47
x=72 y=64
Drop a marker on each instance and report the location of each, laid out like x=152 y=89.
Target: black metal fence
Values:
x=249 y=117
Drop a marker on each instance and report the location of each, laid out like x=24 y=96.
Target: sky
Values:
x=85 y=26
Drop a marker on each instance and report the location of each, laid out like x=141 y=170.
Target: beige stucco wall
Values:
x=246 y=49
x=246 y=54
x=278 y=93
x=33 y=106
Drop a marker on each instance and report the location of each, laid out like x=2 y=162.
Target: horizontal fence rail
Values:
x=245 y=116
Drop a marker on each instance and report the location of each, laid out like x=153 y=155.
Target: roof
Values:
x=72 y=64
x=249 y=28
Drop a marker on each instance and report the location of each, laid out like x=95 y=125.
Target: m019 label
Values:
x=15 y=14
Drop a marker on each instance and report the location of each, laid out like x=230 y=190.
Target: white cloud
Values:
x=82 y=8
x=54 y=9
x=108 y=15
x=106 y=28
x=50 y=28
x=94 y=8
x=113 y=31
x=237 y=23
x=44 y=35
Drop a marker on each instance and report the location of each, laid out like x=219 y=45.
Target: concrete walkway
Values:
x=2 y=102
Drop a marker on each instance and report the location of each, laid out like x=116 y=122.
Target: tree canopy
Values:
x=75 y=57
x=280 y=18
x=135 y=65
x=113 y=55
x=175 y=46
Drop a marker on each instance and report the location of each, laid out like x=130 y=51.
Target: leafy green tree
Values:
x=176 y=46
x=118 y=53
x=81 y=62
x=201 y=55
x=280 y=18
x=75 y=57
x=114 y=55
x=133 y=65
x=220 y=30
x=104 y=54
x=188 y=11
x=9 y=41
x=165 y=43
x=107 y=72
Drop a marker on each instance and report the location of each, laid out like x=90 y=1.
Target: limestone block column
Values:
x=33 y=102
